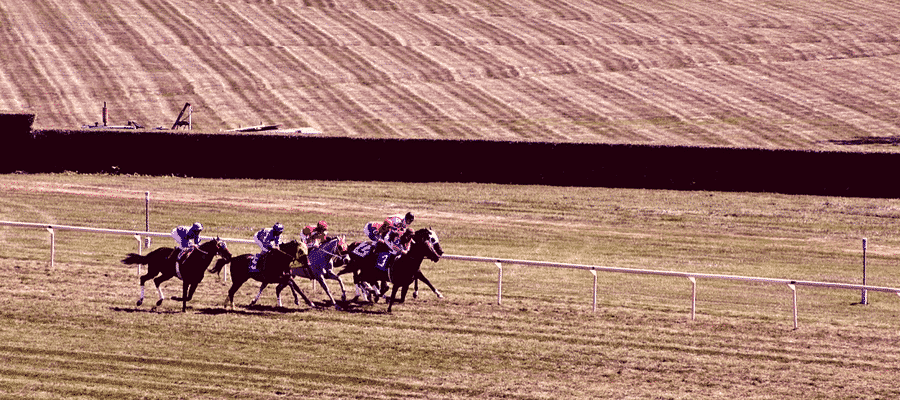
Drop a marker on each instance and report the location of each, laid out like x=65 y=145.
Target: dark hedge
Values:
x=225 y=155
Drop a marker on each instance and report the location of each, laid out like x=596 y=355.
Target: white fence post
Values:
x=594 y=273
x=865 y=293
x=499 y=282
x=52 y=245
x=794 y=290
x=140 y=251
x=693 y=297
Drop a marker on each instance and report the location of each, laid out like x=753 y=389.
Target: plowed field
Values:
x=778 y=74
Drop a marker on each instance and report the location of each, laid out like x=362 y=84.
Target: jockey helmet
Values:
x=277 y=228
x=307 y=230
x=321 y=226
x=409 y=218
x=197 y=227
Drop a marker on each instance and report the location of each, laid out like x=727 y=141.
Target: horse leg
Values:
x=184 y=293
x=343 y=291
x=158 y=281
x=144 y=279
x=421 y=277
x=255 y=299
x=391 y=299
x=296 y=289
x=324 y=285
x=403 y=294
x=281 y=287
x=415 y=289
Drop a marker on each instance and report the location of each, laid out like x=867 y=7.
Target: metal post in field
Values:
x=794 y=290
x=499 y=281
x=140 y=251
x=865 y=293
x=594 y=273
x=693 y=298
x=52 y=246
x=147 y=216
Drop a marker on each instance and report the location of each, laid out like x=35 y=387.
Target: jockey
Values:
x=319 y=234
x=306 y=235
x=380 y=233
x=401 y=222
x=186 y=239
x=266 y=239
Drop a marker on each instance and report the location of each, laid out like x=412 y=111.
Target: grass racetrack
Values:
x=75 y=332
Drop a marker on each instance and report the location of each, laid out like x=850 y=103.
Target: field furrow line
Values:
x=515 y=124
x=652 y=103
x=557 y=105
x=235 y=77
x=626 y=12
x=756 y=98
x=247 y=32
x=556 y=32
x=324 y=97
x=400 y=57
x=840 y=102
x=707 y=104
x=565 y=10
x=70 y=64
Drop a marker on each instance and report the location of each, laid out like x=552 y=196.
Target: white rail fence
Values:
x=593 y=269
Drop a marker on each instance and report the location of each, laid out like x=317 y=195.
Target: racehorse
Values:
x=406 y=268
x=319 y=266
x=276 y=269
x=162 y=261
x=362 y=255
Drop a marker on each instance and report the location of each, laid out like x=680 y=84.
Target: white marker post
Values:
x=865 y=293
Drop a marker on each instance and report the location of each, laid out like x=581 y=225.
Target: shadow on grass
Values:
x=862 y=141
x=343 y=306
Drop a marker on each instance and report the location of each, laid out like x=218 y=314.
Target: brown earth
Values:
x=784 y=74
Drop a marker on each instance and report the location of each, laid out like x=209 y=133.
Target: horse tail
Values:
x=219 y=265
x=133 y=258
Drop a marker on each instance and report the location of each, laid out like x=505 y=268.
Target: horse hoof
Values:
x=140 y=302
x=159 y=303
x=439 y=295
x=415 y=295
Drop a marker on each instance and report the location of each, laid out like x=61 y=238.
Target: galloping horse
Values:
x=277 y=270
x=319 y=267
x=159 y=261
x=406 y=269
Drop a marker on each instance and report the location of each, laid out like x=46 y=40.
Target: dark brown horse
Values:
x=276 y=265
x=160 y=262
x=405 y=269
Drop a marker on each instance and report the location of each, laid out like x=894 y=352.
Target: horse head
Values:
x=429 y=239
x=222 y=249
x=291 y=248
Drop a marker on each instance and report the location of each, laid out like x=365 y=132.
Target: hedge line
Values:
x=222 y=155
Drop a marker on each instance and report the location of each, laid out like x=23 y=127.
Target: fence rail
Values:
x=593 y=269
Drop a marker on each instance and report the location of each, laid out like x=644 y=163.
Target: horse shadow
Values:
x=152 y=310
x=862 y=141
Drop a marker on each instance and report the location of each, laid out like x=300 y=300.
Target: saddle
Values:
x=364 y=249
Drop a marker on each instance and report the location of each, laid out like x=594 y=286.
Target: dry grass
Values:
x=781 y=74
x=74 y=331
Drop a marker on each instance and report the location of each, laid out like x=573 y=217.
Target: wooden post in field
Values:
x=865 y=294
